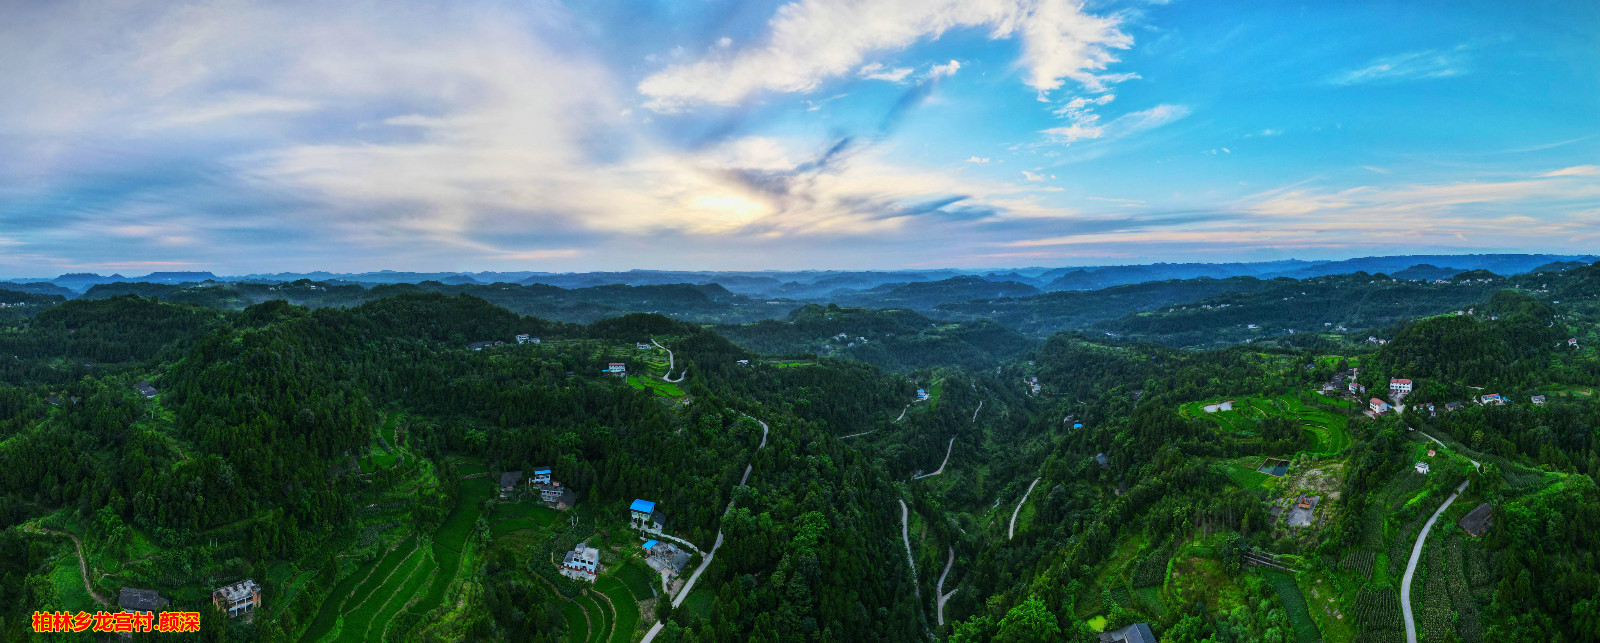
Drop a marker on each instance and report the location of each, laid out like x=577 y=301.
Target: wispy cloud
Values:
x=811 y=41
x=876 y=71
x=1417 y=65
x=1122 y=126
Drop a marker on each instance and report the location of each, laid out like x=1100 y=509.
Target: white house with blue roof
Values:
x=645 y=517
x=541 y=475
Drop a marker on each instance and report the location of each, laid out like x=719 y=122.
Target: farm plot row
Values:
x=1294 y=603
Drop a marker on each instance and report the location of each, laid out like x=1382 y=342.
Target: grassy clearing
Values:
x=637 y=580
x=664 y=389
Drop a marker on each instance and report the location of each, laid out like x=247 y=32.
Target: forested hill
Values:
x=894 y=339
x=701 y=303
x=307 y=448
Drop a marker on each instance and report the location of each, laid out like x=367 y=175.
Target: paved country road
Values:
x=684 y=592
x=1411 y=566
x=670 y=364
x=941 y=464
x=1012 y=533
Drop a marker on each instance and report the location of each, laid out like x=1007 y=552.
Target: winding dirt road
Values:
x=1012 y=533
x=83 y=565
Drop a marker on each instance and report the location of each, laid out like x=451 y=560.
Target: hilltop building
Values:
x=1378 y=406
x=240 y=598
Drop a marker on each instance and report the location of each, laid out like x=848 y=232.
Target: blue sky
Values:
x=247 y=137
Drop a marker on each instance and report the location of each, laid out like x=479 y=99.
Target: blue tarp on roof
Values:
x=643 y=506
x=649 y=544
x=539 y=471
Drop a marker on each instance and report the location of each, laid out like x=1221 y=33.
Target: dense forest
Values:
x=835 y=473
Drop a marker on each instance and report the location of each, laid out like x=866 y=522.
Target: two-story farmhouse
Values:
x=645 y=517
x=582 y=563
x=240 y=598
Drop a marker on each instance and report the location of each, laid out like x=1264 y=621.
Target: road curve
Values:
x=671 y=364
x=83 y=567
x=975 y=411
x=938 y=589
x=1012 y=533
x=1411 y=566
x=905 y=533
x=941 y=464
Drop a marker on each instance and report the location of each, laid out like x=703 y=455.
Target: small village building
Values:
x=921 y=395
x=239 y=598
x=140 y=600
x=540 y=475
x=1452 y=406
x=617 y=368
x=582 y=563
x=478 y=346
x=1136 y=633
x=525 y=338
x=1492 y=398
x=645 y=517
x=1538 y=400
x=145 y=389
x=568 y=499
x=1399 y=385
x=1378 y=406
x=642 y=346
x=1422 y=468
x=666 y=557
x=550 y=491
x=1477 y=522
x=509 y=480
x=744 y=362
x=1573 y=342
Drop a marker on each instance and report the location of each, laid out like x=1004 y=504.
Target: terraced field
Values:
x=627 y=610
x=515 y=516
x=1305 y=629
x=1328 y=429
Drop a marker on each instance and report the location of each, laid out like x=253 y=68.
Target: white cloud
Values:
x=947 y=69
x=876 y=71
x=1125 y=125
x=1408 y=66
x=979 y=161
x=1032 y=176
x=810 y=41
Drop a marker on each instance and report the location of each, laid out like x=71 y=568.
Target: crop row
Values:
x=1152 y=570
x=1434 y=617
x=1294 y=603
x=1359 y=561
x=626 y=608
x=1378 y=610
x=1468 y=623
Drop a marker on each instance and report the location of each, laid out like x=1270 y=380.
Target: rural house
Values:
x=1476 y=523
x=1399 y=386
x=1378 y=406
x=509 y=480
x=239 y=598
x=666 y=558
x=642 y=346
x=1538 y=400
x=540 y=475
x=645 y=517
x=582 y=563
x=568 y=499
x=1492 y=398
x=140 y=600
x=1422 y=468
x=145 y=389
x=1136 y=633
x=921 y=395
x=617 y=368
x=525 y=338
x=550 y=491
x=1452 y=406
